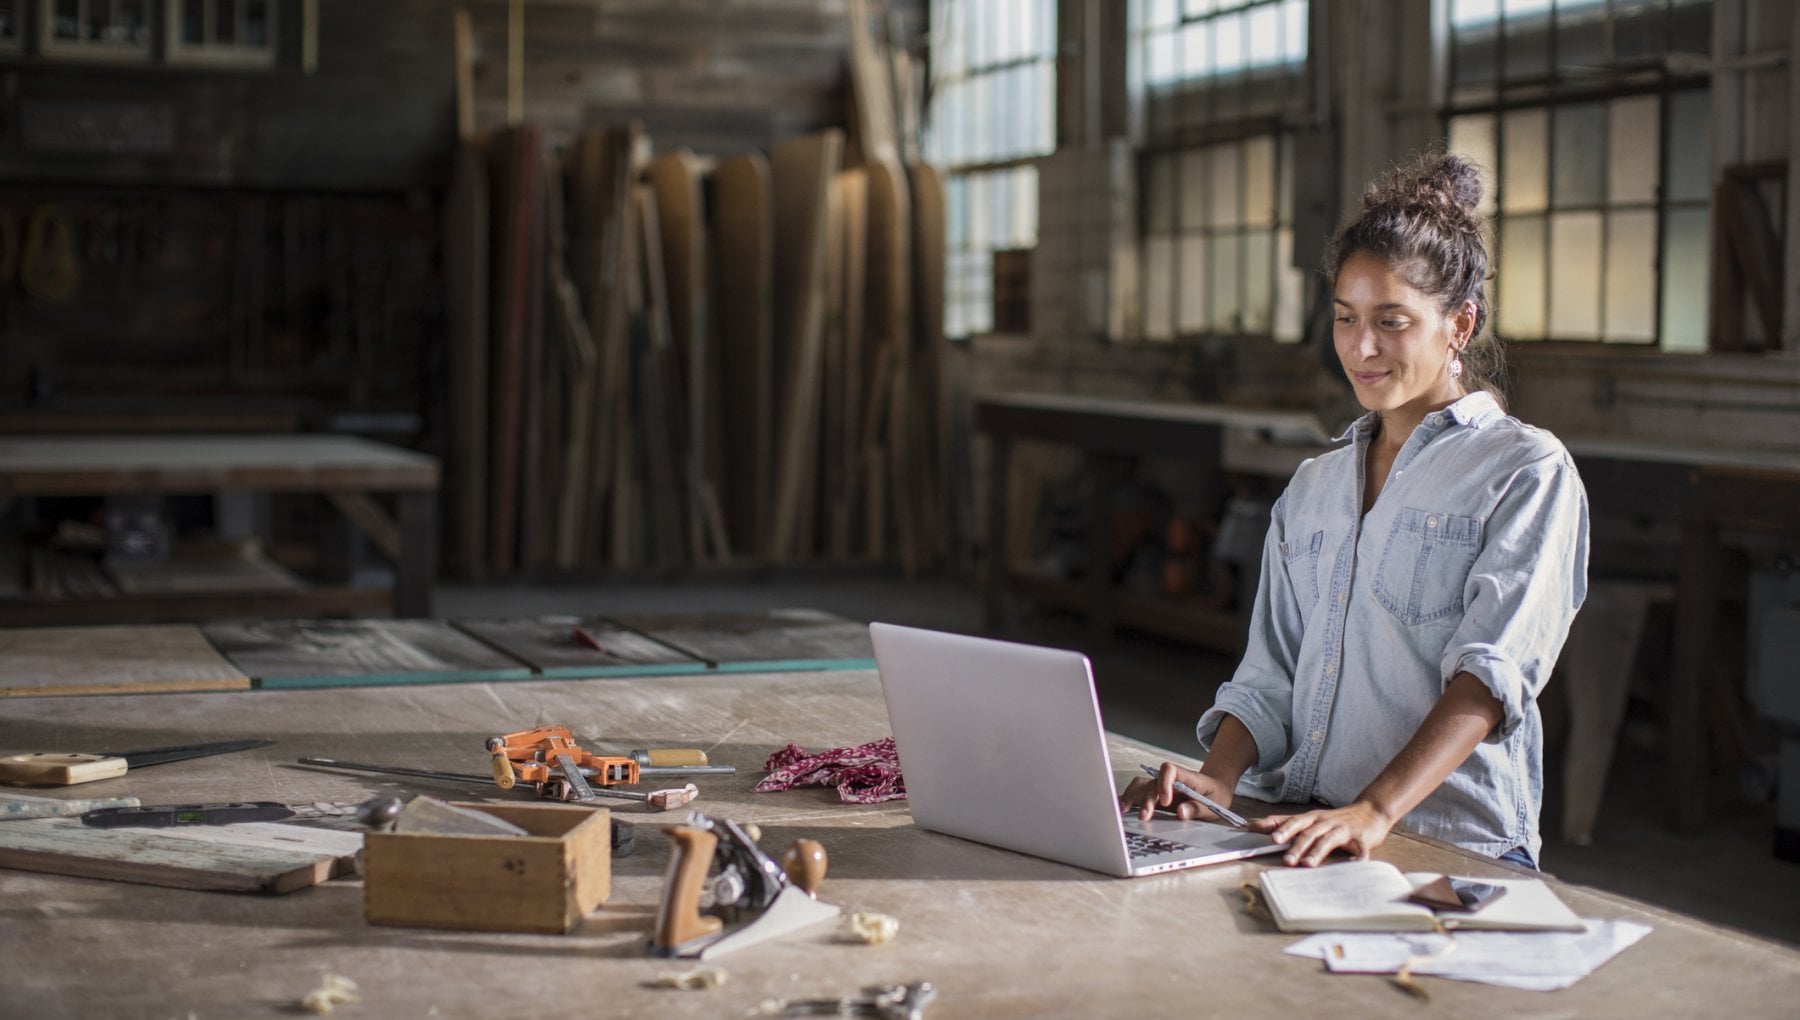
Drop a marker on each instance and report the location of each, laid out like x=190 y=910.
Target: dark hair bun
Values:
x=1440 y=187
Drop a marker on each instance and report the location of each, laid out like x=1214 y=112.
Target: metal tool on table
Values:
x=549 y=758
x=753 y=898
x=50 y=768
x=889 y=1002
x=376 y=812
x=659 y=800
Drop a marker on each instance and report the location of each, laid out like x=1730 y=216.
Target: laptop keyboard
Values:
x=1139 y=845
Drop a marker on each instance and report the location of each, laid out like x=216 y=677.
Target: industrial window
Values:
x=993 y=89
x=238 y=33
x=1592 y=119
x=1217 y=80
x=11 y=26
x=103 y=29
x=1219 y=240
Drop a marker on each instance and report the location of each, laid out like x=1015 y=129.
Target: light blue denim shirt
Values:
x=1473 y=559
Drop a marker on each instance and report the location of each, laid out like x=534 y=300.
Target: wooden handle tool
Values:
x=60 y=769
x=678 y=918
x=668 y=756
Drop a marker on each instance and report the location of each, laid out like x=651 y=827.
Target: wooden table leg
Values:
x=1696 y=605
x=417 y=570
x=994 y=587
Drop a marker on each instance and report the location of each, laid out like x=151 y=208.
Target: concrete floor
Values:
x=1154 y=690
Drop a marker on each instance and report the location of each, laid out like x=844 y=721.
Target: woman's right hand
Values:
x=1146 y=795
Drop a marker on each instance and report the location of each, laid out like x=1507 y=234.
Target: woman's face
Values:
x=1394 y=342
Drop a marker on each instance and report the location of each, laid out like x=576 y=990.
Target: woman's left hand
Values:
x=1357 y=828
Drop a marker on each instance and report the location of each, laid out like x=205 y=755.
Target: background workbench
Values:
x=999 y=933
x=347 y=470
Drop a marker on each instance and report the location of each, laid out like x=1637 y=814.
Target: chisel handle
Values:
x=53 y=769
x=664 y=756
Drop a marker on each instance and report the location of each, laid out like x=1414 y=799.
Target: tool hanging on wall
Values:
x=551 y=761
x=753 y=898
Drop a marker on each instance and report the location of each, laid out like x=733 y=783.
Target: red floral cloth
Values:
x=864 y=774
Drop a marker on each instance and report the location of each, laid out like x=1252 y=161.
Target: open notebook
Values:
x=1372 y=896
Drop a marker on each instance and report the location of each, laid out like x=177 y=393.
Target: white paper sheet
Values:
x=1538 y=961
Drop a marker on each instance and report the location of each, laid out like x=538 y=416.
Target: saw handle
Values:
x=668 y=756
x=678 y=917
x=53 y=769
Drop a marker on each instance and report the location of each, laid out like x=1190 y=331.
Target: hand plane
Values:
x=753 y=898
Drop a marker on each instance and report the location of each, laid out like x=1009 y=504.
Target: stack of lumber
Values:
x=664 y=360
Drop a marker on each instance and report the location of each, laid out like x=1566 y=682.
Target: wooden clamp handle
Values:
x=45 y=769
x=676 y=756
x=678 y=917
x=503 y=770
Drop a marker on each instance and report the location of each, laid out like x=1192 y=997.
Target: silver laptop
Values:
x=1001 y=743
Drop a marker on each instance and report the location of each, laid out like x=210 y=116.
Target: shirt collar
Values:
x=1473 y=410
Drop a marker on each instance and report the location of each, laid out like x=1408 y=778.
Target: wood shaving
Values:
x=874 y=929
x=690 y=980
x=336 y=990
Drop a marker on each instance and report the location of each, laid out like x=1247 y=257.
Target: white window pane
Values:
x=1225 y=203
x=1228 y=42
x=956 y=212
x=1469 y=13
x=1631 y=276
x=1159 y=193
x=1025 y=207
x=1259 y=282
x=1290 y=290
x=1191 y=286
x=1293 y=31
x=1575 y=276
x=1472 y=136
x=1196 y=50
x=1198 y=8
x=1689 y=177
x=1195 y=183
x=1521 y=279
x=1259 y=181
x=1159 y=58
x=1524 y=160
x=1576 y=176
x=1159 y=13
x=1223 y=261
x=1159 y=303
x=1633 y=140
x=1264 y=30
x=1685 y=279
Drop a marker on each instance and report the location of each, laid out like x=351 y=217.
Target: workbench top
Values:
x=999 y=934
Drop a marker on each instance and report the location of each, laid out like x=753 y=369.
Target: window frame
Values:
x=216 y=54
x=49 y=45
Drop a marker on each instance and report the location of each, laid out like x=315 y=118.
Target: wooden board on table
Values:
x=933 y=418
x=871 y=89
x=853 y=186
x=574 y=375
x=516 y=217
x=466 y=243
x=675 y=179
x=890 y=333
x=38 y=661
x=673 y=528
x=744 y=254
x=353 y=653
x=550 y=646
x=776 y=640
x=802 y=171
x=264 y=857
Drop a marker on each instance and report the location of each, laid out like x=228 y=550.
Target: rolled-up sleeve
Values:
x=1261 y=693
x=1524 y=589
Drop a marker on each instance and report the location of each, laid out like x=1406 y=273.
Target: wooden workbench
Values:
x=1000 y=934
x=347 y=470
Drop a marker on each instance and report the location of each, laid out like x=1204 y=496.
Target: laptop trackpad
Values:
x=1201 y=834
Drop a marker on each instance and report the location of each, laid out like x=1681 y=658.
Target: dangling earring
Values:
x=1456 y=365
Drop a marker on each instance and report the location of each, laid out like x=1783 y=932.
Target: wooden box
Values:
x=545 y=882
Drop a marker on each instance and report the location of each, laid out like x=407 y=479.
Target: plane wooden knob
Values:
x=804 y=861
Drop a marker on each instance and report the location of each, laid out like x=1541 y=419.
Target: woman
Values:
x=1418 y=583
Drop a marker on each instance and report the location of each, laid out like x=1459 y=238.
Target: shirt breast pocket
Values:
x=1302 y=561
x=1425 y=565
